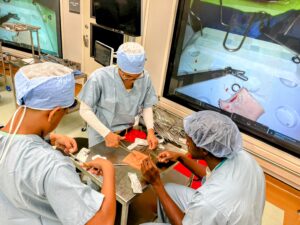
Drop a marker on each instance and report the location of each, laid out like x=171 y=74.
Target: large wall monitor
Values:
x=240 y=59
x=121 y=16
x=103 y=54
x=41 y=13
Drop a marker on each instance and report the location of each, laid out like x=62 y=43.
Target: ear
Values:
x=53 y=113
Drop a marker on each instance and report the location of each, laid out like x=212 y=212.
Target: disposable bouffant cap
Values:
x=214 y=132
x=44 y=86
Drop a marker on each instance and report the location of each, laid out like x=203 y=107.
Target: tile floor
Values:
x=71 y=125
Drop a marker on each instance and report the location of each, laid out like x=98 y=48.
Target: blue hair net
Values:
x=131 y=58
x=214 y=132
x=44 y=86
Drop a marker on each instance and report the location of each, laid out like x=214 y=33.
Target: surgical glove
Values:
x=65 y=143
x=112 y=140
x=152 y=140
x=99 y=167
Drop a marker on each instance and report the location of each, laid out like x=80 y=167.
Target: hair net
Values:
x=214 y=132
x=131 y=58
x=44 y=86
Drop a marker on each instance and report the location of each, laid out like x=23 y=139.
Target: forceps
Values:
x=211 y=74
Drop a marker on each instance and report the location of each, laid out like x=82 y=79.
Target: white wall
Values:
x=72 y=40
x=158 y=32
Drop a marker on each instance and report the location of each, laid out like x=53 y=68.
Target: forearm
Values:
x=107 y=213
x=109 y=191
x=148 y=118
x=89 y=116
x=196 y=168
x=172 y=211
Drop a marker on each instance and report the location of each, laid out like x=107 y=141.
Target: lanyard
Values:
x=220 y=164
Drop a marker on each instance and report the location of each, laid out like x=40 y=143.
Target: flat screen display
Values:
x=105 y=36
x=121 y=15
x=103 y=54
x=238 y=60
x=40 y=13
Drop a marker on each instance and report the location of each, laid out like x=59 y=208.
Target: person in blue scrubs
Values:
x=233 y=184
x=39 y=185
x=114 y=97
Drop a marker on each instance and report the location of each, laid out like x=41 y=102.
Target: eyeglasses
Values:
x=72 y=108
x=130 y=77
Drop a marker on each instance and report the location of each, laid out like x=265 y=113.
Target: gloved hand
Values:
x=99 y=167
x=112 y=140
x=152 y=140
x=65 y=143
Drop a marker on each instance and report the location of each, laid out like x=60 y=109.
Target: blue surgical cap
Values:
x=131 y=58
x=214 y=132
x=44 y=86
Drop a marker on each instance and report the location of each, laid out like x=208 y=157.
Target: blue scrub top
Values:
x=233 y=194
x=114 y=106
x=39 y=186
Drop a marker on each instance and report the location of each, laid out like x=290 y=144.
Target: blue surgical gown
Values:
x=39 y=186
x=114 y=106
x=234 y=194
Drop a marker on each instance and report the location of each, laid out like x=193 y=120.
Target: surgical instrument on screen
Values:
x=286 y=32
x=258 y=15
x=235 y=87
x=210 y=74
x=221 y=14
x=199 y=21
x=251 y=20
x=296 y=59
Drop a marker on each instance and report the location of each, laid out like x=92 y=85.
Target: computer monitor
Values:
x=42 y=13
x=200 y=71
x=120 y=16
x=103 y=54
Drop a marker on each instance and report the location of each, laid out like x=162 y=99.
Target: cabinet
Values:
x=285 y=198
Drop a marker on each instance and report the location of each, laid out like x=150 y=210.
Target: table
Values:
x=124 y=192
